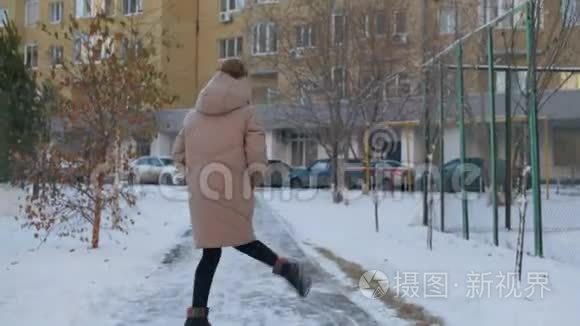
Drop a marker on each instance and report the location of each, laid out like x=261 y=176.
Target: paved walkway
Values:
x=244 y=292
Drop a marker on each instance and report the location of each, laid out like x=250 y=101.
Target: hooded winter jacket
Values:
x=220 y=144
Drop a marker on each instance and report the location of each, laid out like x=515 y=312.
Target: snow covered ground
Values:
x=61 y=282
x=561 y=224
x=145 y=277
x=477 y=285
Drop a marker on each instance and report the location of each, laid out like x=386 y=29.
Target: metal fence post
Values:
x=508 y=151
x=427 y=135
x=533 y=125
x=367 y=153
x=461 y=111
x=442 y=144
x=492 y=133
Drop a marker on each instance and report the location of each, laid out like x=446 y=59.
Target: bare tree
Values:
x=337 y=65
x=105 y=96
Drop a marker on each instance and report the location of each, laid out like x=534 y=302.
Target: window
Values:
x=320 y=167
x=381 y=24
x=400 y=23
x=490 y=12
x=32 y=12
x=305 y=36
x=130 y=49
x=518 y=81
x=402 y=85
x=154 y=162
x=571 y=11
x=80 y=47
x=31 y=55
x=338 y=28
x=83 y=8
x=365 y=22
x=339 y=81
x=108 y=7
x=143 y=148
x=265 y=40
x=142 y=162
x=167 y=161
x=447 y=19
x=570 y=82
x=90 y=8
x=132 y=7
x=231 y=5
x=56 y=11
x=104 y=47
x=497 y=8
x=56 y=55
x=264 y=95
x=3 y=17
x=304 y=150
x=231 y=48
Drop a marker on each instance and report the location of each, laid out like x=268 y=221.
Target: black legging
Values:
x=209 y=262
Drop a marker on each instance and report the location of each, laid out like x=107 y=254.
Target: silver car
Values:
x=156 y=170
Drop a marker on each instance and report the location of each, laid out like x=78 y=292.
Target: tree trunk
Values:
x=98 y=211
x=337 y=196
x=116 y=184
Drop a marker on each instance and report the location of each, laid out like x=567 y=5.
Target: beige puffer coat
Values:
x=220 y=140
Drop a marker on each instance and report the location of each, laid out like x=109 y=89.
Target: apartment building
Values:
x=206 y=31
x=241 y=29
x=210 y=30
x=170 y=22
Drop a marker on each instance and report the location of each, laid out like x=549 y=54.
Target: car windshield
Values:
x=167 y=161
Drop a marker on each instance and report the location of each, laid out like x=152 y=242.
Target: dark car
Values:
x=320 y=174
x=277 y=174
x=475 y=180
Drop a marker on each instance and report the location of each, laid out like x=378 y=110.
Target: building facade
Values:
x=170 y=22
x=270 y=33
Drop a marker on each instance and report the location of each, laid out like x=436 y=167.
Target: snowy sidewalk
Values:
x=245 y=292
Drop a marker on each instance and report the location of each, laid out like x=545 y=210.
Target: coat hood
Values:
x=223 y=94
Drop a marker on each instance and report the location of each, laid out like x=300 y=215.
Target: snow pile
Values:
x=464 y=282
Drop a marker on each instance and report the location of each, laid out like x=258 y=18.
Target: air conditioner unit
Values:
x=226 y=17
x=400 y=38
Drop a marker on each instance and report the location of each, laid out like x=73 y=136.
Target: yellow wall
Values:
x=191 y=29
x=171 y=22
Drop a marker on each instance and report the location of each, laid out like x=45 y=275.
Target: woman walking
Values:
x=220 y=143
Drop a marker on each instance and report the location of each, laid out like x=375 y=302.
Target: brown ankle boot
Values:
x=197 y=317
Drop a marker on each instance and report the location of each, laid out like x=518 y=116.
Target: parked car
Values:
x=319 y=175
x=477 y=169
x=154 y=169
x=474 y=181
x=277 y=174
x=390 y=175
